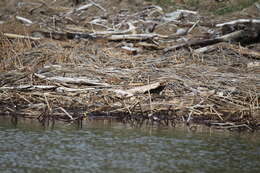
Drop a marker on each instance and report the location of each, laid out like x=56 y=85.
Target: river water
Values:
x=115 y=148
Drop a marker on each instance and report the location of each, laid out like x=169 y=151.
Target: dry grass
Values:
x=206 y=88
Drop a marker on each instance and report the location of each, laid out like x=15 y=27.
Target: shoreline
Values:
x=109 y=121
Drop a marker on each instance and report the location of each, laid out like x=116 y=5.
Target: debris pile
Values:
x=145 y=66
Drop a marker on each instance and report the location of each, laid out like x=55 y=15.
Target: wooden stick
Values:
x=239 y=21
x=66 y=112
x=14 y=36
x=23 y=19
x=79 y=80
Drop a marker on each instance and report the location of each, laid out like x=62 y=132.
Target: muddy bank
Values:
x=140 y=64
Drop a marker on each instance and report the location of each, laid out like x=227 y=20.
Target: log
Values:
x=239 y=21
x=137 y=90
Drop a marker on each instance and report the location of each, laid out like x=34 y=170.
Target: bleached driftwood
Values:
x=145 y=88
x=14 y=36
x=234 y=22
x=136 y=90
x=193 y=26
x=188 y=12
x=84 y=7
x=79 y=80
x=182 y=31
x=24 y=20
x=66 y=112
x=131 y=49
x=176 y=15
x=135 y=37
x=205 y=49
x=98 y=5
x=99 y=22
x=122 y=93
x=131 y=29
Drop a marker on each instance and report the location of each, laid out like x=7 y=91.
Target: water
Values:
x=118 y=149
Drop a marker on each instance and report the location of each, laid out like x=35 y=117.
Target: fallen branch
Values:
x=29 y=87
x=135 y=37
x=66 y=112
x=80 y=80
x=24 y=20
x=234 y=22
x=194 y=44
x=16 y=36
x=131 y=29
x=84 y=7
x=206 y=49
x=137 y=90
x=231 y=37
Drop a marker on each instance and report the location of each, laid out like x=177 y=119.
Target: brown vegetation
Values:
x=73 y=72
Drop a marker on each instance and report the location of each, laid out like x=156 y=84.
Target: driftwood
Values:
x=239 y=21
x=195 y=43
x=206 y=49
x=131 y=29
x=90 y=61
x=80 y=81
x=135 y=37
x=66 y=112
x=136 y=90
x=24 y=19
x=241 y=36
x=237 y=48
x=16 y=36
x=177 y=15
x=84 y=7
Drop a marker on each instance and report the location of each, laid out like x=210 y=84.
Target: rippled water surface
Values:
x=29 y=147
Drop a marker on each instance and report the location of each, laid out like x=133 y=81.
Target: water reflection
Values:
x=106 y=147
